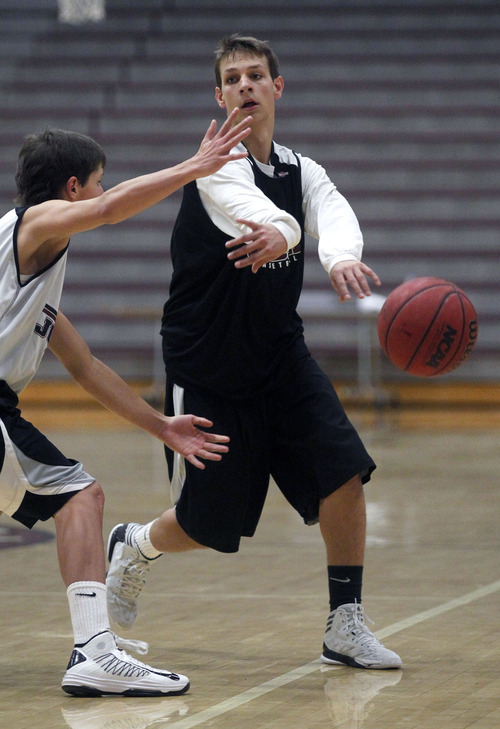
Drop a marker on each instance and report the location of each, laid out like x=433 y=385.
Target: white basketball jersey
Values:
x=28 y=307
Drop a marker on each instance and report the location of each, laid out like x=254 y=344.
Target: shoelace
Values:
x=358 y=617
x=138 y=646
x=133 y=580
x=355 y=624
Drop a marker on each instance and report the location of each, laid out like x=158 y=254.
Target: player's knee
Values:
x=355 y=483
x=86 y=504
x=96 y=493
x=90 y=499
x=351 y=489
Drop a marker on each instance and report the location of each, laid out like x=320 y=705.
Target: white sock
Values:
x=88 y=609
x=138 y=536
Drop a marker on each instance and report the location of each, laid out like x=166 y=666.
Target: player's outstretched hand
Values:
x=182 y=434
x=216 y=147
x=263 y=244
x=352 y=274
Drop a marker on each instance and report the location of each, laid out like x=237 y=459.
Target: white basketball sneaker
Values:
x=100 y=667
x=126 y=577
x=348 y=640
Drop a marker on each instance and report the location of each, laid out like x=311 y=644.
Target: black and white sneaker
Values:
x=348 y=640
x=126 y=576
x=100 y=667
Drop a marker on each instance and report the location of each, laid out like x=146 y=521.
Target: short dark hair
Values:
x=47 y=160
x=237 y=43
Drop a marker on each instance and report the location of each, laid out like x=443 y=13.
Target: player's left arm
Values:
x=354 y=275
x=180 y=433
x=330 y=218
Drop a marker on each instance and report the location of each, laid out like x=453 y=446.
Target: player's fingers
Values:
x=259 y=257
x=376 y=280
x=210 y=133
x=257 y=265
x=359 y=287
x=363 y=281
x=213 y=438
x=228 y=123
x=340 y=286
x=233 y=141
x=363 y=286
x=236 y=132
x=237 y=155
x=201 y=422
x=245 y=259
x=209 y=456
x=215 y=448
x=206 y=455
x=195 y=462
x=249 y=223
x=242 y=126
x=355 y=279
x=247 y=238
x=247 y=255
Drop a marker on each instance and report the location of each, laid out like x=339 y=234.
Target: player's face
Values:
x=246 y=84
x=93 y=186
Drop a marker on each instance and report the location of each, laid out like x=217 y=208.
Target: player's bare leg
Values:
x=80 y=546
x=347 y=640
x=168 y=536
x=342 y=520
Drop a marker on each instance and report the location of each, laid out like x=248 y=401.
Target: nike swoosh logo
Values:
x=335 y=579
x=87 y=594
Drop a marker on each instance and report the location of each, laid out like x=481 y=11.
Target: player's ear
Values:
x=71 y=188
x=219 y=98
x=279 y=85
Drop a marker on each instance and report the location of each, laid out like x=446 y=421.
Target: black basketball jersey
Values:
x=226 y=329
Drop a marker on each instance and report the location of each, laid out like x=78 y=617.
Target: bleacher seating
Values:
x=399 y=102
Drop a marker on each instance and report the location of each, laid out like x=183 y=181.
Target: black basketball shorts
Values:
x=297 y=432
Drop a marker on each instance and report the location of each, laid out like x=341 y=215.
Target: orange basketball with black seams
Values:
x=427 y=326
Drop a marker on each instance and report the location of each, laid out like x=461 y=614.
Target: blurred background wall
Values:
x=399 y=101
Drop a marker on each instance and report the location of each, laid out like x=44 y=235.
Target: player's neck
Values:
x=259 y=144
x=259 y=149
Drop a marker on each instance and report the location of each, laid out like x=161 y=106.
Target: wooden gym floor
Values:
x=247 y=628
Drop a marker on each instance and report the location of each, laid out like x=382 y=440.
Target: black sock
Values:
x=344 y=585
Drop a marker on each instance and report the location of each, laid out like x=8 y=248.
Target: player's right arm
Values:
x=55 y=221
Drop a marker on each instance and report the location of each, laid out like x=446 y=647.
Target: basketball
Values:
x=427 y=326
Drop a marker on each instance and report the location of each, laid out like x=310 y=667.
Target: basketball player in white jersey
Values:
x=59 y=194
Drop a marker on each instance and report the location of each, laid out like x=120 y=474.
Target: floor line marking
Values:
x=264 y=688
x=249 y=695
x=439 y=610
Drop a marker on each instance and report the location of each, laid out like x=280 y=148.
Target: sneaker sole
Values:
x=333 y=658
x=91 y=691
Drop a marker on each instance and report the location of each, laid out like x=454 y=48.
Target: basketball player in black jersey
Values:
x=234 y=349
